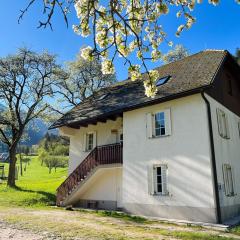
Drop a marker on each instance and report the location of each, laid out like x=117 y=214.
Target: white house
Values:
x=173 y=156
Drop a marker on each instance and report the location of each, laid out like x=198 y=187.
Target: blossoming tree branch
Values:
x=124 y=28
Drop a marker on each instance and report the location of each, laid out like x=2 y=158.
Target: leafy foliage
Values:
x=53 y=151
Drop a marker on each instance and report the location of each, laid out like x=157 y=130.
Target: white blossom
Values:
x=107 y=67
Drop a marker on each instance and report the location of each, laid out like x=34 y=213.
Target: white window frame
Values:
x=228 y=178
x=162 y=117
x=86 y=141
x=153 y=180
x=223 y=126
x=151 y=124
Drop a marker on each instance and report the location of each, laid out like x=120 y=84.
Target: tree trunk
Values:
x=12 y=166
x=21 y=167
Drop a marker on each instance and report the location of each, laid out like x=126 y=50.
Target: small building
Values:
x=175 y=156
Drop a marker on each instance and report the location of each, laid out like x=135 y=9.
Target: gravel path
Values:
x=11 y=232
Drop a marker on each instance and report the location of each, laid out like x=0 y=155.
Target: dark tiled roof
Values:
x=191 y=73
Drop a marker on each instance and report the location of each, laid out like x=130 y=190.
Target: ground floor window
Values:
x=160 y=181
x=228 y=180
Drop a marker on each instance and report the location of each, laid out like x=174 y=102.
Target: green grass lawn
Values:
x=35 y=188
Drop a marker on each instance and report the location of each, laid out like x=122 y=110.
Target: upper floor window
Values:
x=159 y=124
x=121 y=138
x=239 y=129
x=90 y=141
x=160 y=128
x=228 y=180
x=223 y=127
x=230 y=90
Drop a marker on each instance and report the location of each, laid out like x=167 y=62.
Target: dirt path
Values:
x=10 y=232
x=55 y=224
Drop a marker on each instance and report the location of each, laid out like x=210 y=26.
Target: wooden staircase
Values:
x=101 y=155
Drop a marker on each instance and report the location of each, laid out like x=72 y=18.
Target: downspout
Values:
x=213 y=158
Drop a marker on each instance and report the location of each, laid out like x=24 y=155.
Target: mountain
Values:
x=36 y=131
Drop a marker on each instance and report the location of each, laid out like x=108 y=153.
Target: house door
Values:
x=120 y=136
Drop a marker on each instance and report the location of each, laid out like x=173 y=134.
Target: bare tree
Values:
x=178 y=53
x=80 y=79
x=123 y=28
x=26 y=80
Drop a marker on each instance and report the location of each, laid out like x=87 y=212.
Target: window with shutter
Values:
x=239 y=129
x=228 y=180
x=160 y=179
x=159 y=124
x=89 y=141
x=223 y=127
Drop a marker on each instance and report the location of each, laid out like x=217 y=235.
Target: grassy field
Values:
x=35 y=188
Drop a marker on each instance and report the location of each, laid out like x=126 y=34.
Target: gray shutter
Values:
x=168 y=123
x=94 y=139
x=150 y=180
x=164 y=179
x=227 y=133
x=239 y=128
x=85 y=142
x=149 y=126
x=220 y=123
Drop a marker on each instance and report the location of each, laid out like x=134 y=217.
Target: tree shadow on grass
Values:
x=47 y=198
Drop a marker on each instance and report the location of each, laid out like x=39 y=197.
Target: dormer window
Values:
x=103 y=96
x=162 y=81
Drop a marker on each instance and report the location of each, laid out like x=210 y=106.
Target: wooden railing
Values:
x=101 y=155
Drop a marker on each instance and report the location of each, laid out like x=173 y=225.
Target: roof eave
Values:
x=78 y=124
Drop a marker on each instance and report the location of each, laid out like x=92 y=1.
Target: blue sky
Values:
x=216 y=28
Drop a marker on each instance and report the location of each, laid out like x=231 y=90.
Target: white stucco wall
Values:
x=227 y=151
x=104 y=136
x=107 y=186
x=186 y=152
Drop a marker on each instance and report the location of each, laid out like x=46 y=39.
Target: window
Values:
x=162 y=81
x=103 y=96
x=160 y=129
x=121 y=138
x=239 y=129
x=159 y=124
x=223 y=127
x=158 y=179
x=230 y=90
x=89 y=142
x=228 y=180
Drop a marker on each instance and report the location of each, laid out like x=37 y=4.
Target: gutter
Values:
x=213 y=158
